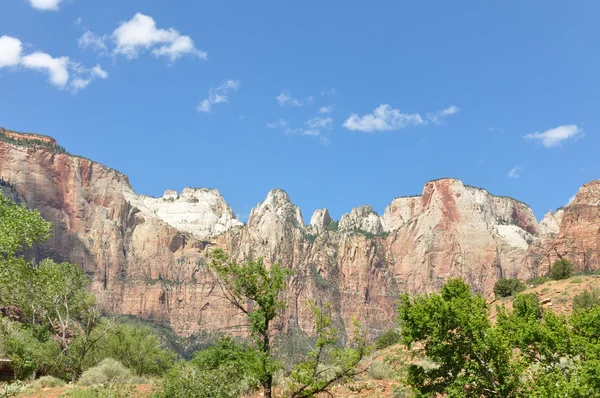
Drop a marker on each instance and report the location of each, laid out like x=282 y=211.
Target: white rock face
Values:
x=276 y=210
x=363 y=218
x=550 y=224
x=319 y=221
x=399 y=212
x=514 y=236
x=202 y=212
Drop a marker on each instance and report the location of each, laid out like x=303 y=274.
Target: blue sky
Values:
x=340 y=103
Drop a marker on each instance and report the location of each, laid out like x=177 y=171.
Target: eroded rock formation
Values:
x=147 y=256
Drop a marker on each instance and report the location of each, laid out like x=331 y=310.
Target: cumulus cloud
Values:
x=56 y=68
x=45 y=5
x=218 y=95
x=328 y=91
x=327 y=109
x=59 y=69
x=91 y=40
x=383 y=118
x=515 y=172
x=277 y=124
x=140 y=33
x=10 y=51
x=440 y=115
x=554 y=137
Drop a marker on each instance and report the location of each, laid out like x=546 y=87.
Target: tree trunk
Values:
x=267 y=385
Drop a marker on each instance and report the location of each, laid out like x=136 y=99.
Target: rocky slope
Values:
x=146 y=256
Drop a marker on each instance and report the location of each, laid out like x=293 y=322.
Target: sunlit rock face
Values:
x=147 y=256
x=201 y=212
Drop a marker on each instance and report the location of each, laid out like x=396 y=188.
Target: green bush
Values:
x=12 y=390
x=227 y=369
x=586 y=300
x=109 y=370
x=505 y=287
x=527 y=306
x=561 y=269
x=47 y=382
x=138 y=348
x=387 y=339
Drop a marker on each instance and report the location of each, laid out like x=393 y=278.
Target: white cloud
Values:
x=45 y=5
x=515 y=172
x=218 y=95
x=10 y=51
x=328 y=91
x=320 y=123
x=496 y=130
x=285 y=98
x=326 y=109
x=571 y=199
x=277 y=124
x=57 y=68
x=438 y=116
x=91 y=40
x=140 y=33
x=554 y=137
x=83 y=76
x=384 y=118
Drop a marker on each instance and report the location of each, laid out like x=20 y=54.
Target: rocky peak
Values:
x=399 y=212
x=550 y=224
x=202 y=212
x=319 y=221
x=276 y=208
x=363 y=218
x=588 y=194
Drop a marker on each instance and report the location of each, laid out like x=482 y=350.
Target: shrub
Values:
x=110 y=390
x=380 y=371
x=586 y=300
x=12 y=390
x=527 y=306
x=561 y=269
x=387 y=339
x=505 y=287
x=47 y=382
x=138 y=348
x=227 y=369
x=109 y=370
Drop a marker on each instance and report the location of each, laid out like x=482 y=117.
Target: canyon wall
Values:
x=147 y=256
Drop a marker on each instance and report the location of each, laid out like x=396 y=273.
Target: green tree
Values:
x=471 y=357
x=225 y=370
x=137 y=348
x=20 y=228
x=256 y=292
x=328 y=363
x=505 y=287
x=561 y=269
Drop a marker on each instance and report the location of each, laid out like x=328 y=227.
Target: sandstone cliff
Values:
x=146 y=256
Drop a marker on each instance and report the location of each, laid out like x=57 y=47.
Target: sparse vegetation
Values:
x=586 y=300
x=333 y=226
x=108 y=371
